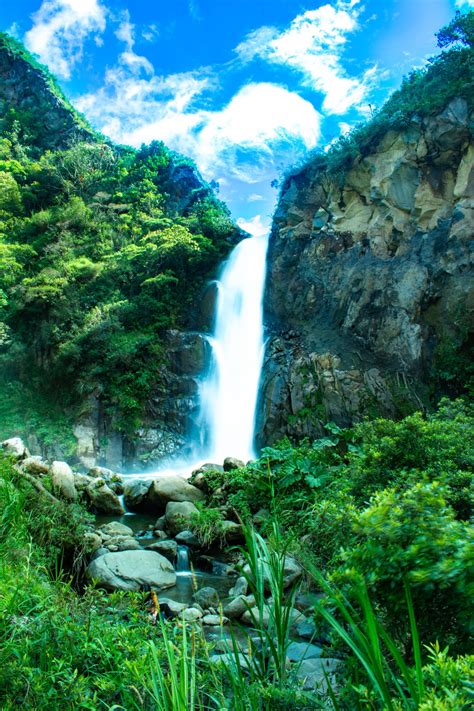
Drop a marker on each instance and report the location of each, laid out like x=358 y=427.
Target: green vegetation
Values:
x=101 y=250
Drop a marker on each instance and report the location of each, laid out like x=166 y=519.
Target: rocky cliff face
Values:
x=368 y=275
x=27 y=87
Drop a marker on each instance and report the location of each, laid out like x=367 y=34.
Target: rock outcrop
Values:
x=131 y=569
x=368 y=274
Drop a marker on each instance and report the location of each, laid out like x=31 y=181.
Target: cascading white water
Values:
x=229 y=393
x=229 y=390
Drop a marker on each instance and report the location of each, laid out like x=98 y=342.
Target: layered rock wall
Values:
x=368 y=272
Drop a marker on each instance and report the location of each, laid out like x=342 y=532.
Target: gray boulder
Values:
x=214 y=620
x=187 y=538
x=172 y=488
x=297 y=651
x=179 y=515
x=103 y=499
x=292 y=573
x=168 y=548
x=62 y=479
x=115 y=528
x=206 y=597
x=136 y=494
x=231 y=463
x=130 y=570
x=241 y=587
x=314 y=673
x=236 y=607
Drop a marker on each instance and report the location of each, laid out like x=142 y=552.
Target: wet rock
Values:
x=179 y=515
x=62 y=480
x=175 y=607
x=172 y=488
x=214 y=620
x=191 y=614
x=231 y=463
x=240 y=587
x=187 y=538
x=101 y=473
x=136 y=495
x=130 y=570
x=292 y=573
x=232 y=532
x=297 y=651
x=236 y=607
x=103 y=499
x=314 y=673
x=306 y=628
x=261 y=517
x=168 y=548
x=160 y=524
x=115 y=528
x=206 y=597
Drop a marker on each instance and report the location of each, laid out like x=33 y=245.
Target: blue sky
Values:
x=244 y=87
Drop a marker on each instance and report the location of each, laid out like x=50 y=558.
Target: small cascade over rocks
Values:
x=182 y=561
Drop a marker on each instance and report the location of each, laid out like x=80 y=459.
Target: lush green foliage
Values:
x=390 y=500
x=101 y=250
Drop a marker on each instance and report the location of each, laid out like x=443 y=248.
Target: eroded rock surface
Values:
x=368 y=274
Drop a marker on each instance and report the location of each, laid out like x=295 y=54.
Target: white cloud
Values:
x=126 y=33
x=256 y=226
x=59 y=30
x=464 y=3
x=313 y=45
x=254 y=197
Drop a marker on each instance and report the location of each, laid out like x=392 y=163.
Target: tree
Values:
x=460 y=29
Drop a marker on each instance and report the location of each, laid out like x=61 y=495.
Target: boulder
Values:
x=82 y=481
x=101 y=473
x=15 y=448
x=168 y=548
x=297 y=651
x=136 y=495
x=35 y=466
x=187 y=538
x=122 y=543
x=314 y=673
x=232 y=532
x=191 y=614
x=92 y=542
x=172 y=488
x=214 y=620
x=236 y=607
x=103 y=499
x=160 y=524
x=179 y=515
x=231 y=463
x=240 y=587
x=62 y=479
x=115 y=528
x=207 y=597
x=306 y=628
x=175 y=607
x=130 y=570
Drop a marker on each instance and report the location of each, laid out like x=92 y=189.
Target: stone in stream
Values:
x=306 y=628
x=241 y=587
x=313 y=673
x=214 y=620
x=103 y=499
x=297 y=651
x=207 y=597
x=136 y=494
x=179 y=515
x=187 y=538
x=236 y=607
x=168 y=548
x=130 y=570
x=191 y=614
x=172 y=488
x=160 y=524
x=115 y=528
x=292 y=572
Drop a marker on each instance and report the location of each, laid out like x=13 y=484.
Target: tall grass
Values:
x=391 y=680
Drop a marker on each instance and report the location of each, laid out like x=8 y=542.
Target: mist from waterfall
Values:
x=229 y=393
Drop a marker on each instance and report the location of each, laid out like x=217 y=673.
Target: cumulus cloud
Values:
x=59 y=30
x=256 y=226
x=313 y=45
x=126 y=33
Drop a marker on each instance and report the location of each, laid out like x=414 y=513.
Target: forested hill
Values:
x=103 y=249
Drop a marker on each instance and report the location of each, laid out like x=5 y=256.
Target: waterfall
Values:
x=229 y=392
x=182 y=561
